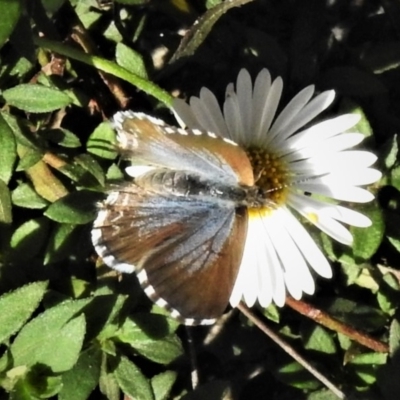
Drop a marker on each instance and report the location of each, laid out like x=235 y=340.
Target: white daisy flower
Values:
x=304 y=169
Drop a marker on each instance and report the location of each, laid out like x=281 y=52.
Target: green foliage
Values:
x=74 y=330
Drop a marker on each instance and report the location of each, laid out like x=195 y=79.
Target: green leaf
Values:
x=62 y=137
x=324 y=394
x=369 y=359
x=102 y=142
x=10 y=13
x=60 y=243
x=89 y=164
x=18 y=306
x=132 y=381
x=108 y=383
x=28 y=239
x=389 y=152
x=5 y=204
x=52 y=6
x=36 y=98
x=80 y=381
x=25 y=196
x=319 y=339
x=202 y=27
x=28 y=157
x=38 y=383
x=75 y=208
x=394 y=337
x=130 y=60
x=54 y=338
x=8 y=150
x=157 y=344
x=162 y=384
x=367 y=240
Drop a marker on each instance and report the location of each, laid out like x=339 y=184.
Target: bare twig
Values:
x=289 y=350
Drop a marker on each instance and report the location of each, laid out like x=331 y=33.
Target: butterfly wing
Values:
x=185 y=251
x=155 y=143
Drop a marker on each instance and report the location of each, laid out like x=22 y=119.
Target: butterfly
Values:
x=180 y=224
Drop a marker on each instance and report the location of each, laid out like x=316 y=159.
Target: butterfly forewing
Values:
x=185 y=251
x=153 y=142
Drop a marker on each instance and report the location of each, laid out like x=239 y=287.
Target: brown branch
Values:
x=326 y=320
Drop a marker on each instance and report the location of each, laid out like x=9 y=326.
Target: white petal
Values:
x=244 y=90
x=338 y=192
x=322 y=131
x=270 y=107
x=290 y=111
x=260 y=274
x=310 y=206
x=209 y=117
x=297 y=274
x=335 y=163
x=232 y=116
x=325 y=217
x=216 y=120
x=184 y=115
x=334 y=229
x=262 y=86
x=307 y=246
x=362 y=176
x=327 y=147
x=309 y=112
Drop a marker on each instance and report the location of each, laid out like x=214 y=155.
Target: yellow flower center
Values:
x=271 y=175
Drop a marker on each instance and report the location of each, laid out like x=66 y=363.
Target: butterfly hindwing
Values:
x=186 y=251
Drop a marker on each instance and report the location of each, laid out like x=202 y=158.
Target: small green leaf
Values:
x=80 y=381
x=367 y=240
x=25 y=196
x=394 y=337
x=369 y=359
x=38 y=383
x=89 y=164
x=18 y=306
x=157 y=345
x=54 y=338
x=102 y=142
x=62 y=137
x=5 y=204
x=200 y=30
x=324 y=394
x=162 y=384
x=319 y=339
x=28 y=239
x=108 y=383
x=8 y=150
x=20 y=131
x=52 y=6
x=60 y=243
x=75 y=208
x=130 y=60
x=132 y=381
x=10 y=13
x=390 y=151
x=36 y=98
x=28 y=157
